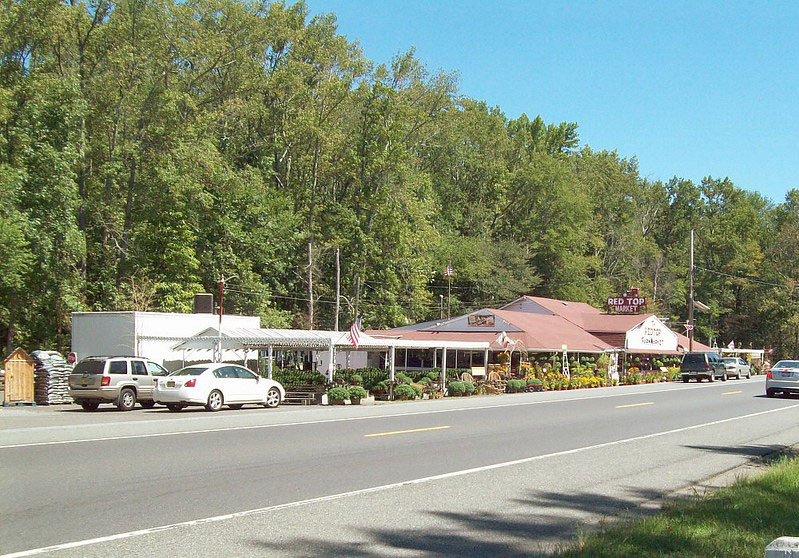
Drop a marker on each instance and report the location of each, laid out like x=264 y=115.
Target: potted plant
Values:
x=404 y=391
x=356 y=394
x=337 y=395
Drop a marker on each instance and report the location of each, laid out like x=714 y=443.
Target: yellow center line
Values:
x=732 y=392
x=635 y=405
x=405 y=431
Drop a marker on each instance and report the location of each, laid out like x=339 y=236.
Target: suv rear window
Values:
x=694 y=359
x=89 y=367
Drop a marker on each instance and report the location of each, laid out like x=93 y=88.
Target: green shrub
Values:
x=515 y=386
x=289 y=377
x=417 y=389
x=401 y=378
x=404 y=391
x=469 y=388
x=380 y=387
x=338 y=393
x=424 y=381
x=356 y=380
x=357 y=392
x=456 y=388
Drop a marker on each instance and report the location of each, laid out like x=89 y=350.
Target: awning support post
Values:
x=331 y=365
x=269 y=358
x=444 y=369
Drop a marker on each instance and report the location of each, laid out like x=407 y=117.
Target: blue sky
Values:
x=690 y=88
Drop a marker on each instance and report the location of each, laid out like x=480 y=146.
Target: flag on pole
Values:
x=504 y=340
x=731 y=345
x=355 y=331
x=448 y=271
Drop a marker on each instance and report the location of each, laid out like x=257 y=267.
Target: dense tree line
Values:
x=148 y=146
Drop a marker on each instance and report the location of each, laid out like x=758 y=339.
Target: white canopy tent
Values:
x=247 y=339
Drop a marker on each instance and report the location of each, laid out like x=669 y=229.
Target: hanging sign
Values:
x=628 y=303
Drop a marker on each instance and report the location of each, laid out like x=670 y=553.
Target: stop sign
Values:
x=72 y=358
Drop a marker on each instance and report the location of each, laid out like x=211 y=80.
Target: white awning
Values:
x=256 y=338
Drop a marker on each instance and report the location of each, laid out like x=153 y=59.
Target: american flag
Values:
x=355 y=331
x=448 y=271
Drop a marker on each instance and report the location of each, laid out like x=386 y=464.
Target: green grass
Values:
x=737 y=521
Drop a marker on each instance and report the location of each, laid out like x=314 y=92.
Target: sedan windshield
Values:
x=190 y=371
x=729 y=360
x=787 y=364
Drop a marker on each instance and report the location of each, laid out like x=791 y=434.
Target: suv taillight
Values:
x=106 y=381
x=707 y=366
x=191 y=383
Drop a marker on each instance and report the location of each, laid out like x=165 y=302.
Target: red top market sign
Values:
x=628 y=303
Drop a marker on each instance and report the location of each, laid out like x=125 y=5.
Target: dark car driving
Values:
x=701 y=366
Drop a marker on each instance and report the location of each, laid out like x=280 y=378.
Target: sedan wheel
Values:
x=711 y=378
x=215 y=401
x=127 y=400
x=237 y=406
x=771 y=393
x=724 y=377
x=272 y=398
x=147 y=404
x=174 y=406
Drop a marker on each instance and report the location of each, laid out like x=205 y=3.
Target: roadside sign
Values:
x=72 y=358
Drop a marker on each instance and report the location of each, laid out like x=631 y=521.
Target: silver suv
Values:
x=118 y=380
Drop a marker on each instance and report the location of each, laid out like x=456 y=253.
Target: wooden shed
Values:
x=19 y=367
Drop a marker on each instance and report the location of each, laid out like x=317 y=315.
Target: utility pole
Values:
x=338 y=284
x=691 y=299
x=441 y=307
x=222 y=281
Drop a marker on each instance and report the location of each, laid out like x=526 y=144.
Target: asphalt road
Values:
x=486 y=476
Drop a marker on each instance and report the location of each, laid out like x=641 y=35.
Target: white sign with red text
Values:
x=651 y=334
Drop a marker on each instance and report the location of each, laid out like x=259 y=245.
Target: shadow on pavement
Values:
x=553 y=520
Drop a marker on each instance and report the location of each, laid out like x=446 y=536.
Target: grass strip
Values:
x=736 y=521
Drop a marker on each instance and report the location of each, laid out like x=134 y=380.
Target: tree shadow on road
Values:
x=540 y=524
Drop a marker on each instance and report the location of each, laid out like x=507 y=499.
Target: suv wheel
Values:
x=89 y=405
x=686 y=379
x=724 y=377
x=127 y=399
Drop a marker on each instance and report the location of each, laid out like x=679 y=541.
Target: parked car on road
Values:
x=783 y=378
x=737 y=367
x=702 y=365
x=216 y=384
x=114 y=379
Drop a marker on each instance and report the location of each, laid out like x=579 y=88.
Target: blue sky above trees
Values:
x=689 y=88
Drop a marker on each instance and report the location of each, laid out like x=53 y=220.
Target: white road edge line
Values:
x=325 y=421
x=215 y=519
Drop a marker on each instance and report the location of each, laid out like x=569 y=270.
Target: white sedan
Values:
x=214 y=385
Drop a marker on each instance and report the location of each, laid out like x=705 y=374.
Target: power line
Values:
x=749 y=279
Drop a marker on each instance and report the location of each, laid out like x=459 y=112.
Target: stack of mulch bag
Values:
x=50 y=378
